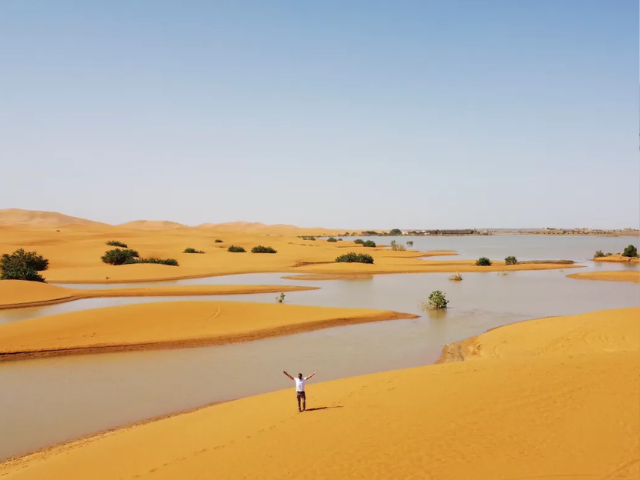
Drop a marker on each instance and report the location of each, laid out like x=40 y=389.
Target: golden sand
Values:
x=617 y=258
x=74 y=253
x=170 y=325
x=17 y=293
x=555 y=398
x=612 y=276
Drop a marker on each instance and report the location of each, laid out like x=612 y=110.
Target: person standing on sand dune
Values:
x=300 y=381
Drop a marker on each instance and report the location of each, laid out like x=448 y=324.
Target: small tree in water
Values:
x=280 y=298
x=437 y=301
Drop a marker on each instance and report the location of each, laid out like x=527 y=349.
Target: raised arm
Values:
x=311 y=375
x=287 y=375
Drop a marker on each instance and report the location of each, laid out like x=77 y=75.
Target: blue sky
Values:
x=354 y=114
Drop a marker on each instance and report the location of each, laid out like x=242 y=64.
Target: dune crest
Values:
x=17 y=216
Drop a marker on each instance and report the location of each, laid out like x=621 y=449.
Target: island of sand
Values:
x=170 y=325
x=551 y=398
x=632 y=276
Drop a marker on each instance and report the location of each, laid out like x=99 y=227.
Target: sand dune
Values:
x=617 y=258
x=151 y=224
x=550 y=408
x=18 y=294
x=610 y=276
x=169 y=324
x=17 y=216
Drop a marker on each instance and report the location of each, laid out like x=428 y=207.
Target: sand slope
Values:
x=17 y=216
x=169 y=324
x=612 y=276
x=532 y=413
x=617 y=258
x=18 y=294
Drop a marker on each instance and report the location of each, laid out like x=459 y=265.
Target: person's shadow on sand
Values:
x=321 y=408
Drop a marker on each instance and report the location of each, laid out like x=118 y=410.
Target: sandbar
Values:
x=170 y=325
x=552 y=398
x=19 y=294
x=617 y=258
x=632 y=276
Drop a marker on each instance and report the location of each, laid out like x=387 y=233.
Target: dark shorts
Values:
x=301 y=395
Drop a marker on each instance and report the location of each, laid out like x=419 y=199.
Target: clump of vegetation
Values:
x=483 y=262
x=437 y=301
x=261 y=249
x=456 y=277
x=280 y=298
x=503 y=273
x=598 y=254
x=332 y=239
x=630 y=251
x=397 y=247
x=21 y=265
x=369 y=243
x=410 y=243
x=161 y=261
x=192 y=250
x=304 y=237
x=235 y=249
x=358 y=241
x=511 y=260
x=217 y=240
x=395 y=232
x=116 y=243
x=353 y=257
x=608 y=254
x=119 y=257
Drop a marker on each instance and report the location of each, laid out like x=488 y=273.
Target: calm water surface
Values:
x=52 y=400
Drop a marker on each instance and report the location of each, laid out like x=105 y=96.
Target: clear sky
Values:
x=354 y=114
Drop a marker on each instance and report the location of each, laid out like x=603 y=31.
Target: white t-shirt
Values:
x=300 y=383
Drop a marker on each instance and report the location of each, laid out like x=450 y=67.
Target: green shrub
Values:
x=437 y=301
x=608 y=254
x=483 y=262
x=511 y=260
x=161 y=261
x=235 y=249
x=21 y=265
x=395 y=232
x=217 y=240
x=116 y=243
x=119 y=257
x=410 y=243
x=192 y=250
x=630 y=251
x=598 y=254
x=369 y=243
x=397 y=247
x=304 y=237
x=353 y=257
x=358 y=241
x=332 y=239
x=280 y=298
x=261 y=249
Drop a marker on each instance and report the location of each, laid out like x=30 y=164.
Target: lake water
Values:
x=52 y=400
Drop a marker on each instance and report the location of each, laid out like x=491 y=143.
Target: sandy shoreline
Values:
x=609 y=276
x=406 y=421
x=170 y=325
x=33 y=294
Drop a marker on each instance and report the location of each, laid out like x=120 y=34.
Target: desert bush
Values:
x=483 y=262
x=116 y=243
x=397 y=247
x=217 y=240
x=598 y=254
x=305 y=237
x=358 y=241
x=630 y=251
x=608 y=254
x=161 y=261
x=410 y=243
x=332 y=239
x=395 y=232
x=511 y=260
x=118 y=256
x=369 y=243
x=192 y=250
x=280 y=298
x=456 y=277
x=353 y=257
x=21 y=265
x=261 y=249
x=235 y=249
x=437 y=301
